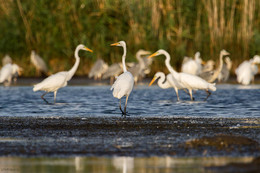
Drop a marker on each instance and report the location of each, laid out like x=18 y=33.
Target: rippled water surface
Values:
x=234 y=101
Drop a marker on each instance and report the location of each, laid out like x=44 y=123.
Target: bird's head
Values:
x=256 y=59
x=224 y=52
x=157 y=53
x=156 y=76
x=83 y=47
x=120 y=43
x=142 y=52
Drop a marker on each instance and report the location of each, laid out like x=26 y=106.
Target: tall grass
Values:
x=182 y=27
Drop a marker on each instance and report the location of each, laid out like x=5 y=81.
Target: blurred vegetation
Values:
x=182 y=27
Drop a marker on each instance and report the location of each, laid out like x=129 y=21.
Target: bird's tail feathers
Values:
x=36 y=87
x=212 y=86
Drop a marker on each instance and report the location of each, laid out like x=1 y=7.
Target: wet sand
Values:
x=131 y=136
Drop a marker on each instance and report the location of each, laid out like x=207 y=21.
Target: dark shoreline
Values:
x=133 y=136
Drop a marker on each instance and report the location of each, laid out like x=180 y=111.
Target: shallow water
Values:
x=229 y=101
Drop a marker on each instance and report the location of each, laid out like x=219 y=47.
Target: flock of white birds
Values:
x=195 y=73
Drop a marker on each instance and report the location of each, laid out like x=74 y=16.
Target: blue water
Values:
x=229 y=101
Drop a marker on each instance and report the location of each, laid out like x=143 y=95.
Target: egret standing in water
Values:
x=188 y=81
x=60 y=79
x=124 y=82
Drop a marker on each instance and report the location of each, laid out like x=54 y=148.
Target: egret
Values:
x=164 y=84
x=246 y=70
x=39 y=63
x=9 y=71
x=211 y=76
x=7 y=60
x=124 y=82
x=208 y=67
x=98 y=69
x=192 y=66
x=224 y=74
x=138 y=69
x=188 y=81
x=113 y=71
x=60 y=79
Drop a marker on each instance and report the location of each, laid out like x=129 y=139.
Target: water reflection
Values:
x=114 y=164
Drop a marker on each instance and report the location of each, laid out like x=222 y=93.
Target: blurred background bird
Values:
x=138 y=69
x=39 y=64
x=247 y=70
x=7 y=60
x=211 y=76
x=9 y=72
x=98 y=69
x=192 y=66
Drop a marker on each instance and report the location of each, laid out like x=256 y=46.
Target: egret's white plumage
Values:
x=185 y=80
x=124 y=82
x=9 y=71
x=192 y=66
x=246 y=70
x=98 y=69
x=170 y=82
x=224 y=74
x=38 y=62
x=211 y=76
x=60 y=79
x=138 y=69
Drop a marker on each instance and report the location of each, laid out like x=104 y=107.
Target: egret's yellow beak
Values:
x=152 y=81
x=88 y=49
x=203 y=62
x=154 y=54
x=114 y=44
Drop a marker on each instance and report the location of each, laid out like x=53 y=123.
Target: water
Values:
x=229 y=101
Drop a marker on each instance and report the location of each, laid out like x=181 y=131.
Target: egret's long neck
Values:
x=216 y=73
x=75 y=66
x=123 y=58
x=162 y=83
x=168 y=65
x=140 y=60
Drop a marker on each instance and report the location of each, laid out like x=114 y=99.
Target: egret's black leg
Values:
x=44 y=98
x=209 y=93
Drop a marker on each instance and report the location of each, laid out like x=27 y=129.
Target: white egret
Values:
x=7 y=60
x=124 y=82
x=60 y=79
x=98 y=69
x=39 y=63
x=192 y=66
x=138 y=69
x=246 y=70
x=164 y=84
x=224 y=74
x=208 y=67
x=9 y=71
x=113 y=71
x=211 y=76
x=188 y=81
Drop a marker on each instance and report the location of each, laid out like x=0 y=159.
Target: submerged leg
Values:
x=55 y=93
x=209 y=93
x=44 y=98
x=120 y=106
x=177 y=93
x=125 y=106
x=190 y=92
